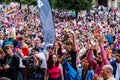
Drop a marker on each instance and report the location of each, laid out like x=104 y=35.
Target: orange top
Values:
x=109 y=53
x=96 y=34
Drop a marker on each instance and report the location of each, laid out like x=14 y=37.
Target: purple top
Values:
x=93 y=62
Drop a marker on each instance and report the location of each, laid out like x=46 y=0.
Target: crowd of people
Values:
x=86 y=47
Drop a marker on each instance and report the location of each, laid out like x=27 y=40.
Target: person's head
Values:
x=69 y=45
x=118 y=55
x=11 y=34
x=49 y=47
x=28 y=40
x=21 y=40
x=52 y=60
x=35 y=50
x=113 y=57
x=8 y=48
x=2 y=54
x=99 y=58
x=58 y=45
x=1 y=35
x=85 y=64
x=107 y=71
x=37 y=42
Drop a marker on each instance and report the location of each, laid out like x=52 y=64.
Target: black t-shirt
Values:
x=1 y=62
x=83 y=76
x=13 y=62
x=1 y=71
x=72 y=59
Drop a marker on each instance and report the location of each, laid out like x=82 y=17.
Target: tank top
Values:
x=54 y=72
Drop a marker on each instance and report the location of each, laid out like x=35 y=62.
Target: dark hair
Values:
x=89 y=66
x=117 y=51
x=20 y=38
x=36 y=49
x=50 y=62
x=68 y=42
x=95 y=52
x=1 y=51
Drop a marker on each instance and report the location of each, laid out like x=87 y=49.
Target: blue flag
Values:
x=46 y=18
x=68 y=71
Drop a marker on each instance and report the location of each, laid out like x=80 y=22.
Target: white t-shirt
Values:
x=117 y=77
x=42 y=57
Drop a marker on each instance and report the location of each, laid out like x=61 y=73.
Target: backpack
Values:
x=34 y=70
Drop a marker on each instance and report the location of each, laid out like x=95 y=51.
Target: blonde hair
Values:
x=11 y=34
x=1 y=51
x=8 y=46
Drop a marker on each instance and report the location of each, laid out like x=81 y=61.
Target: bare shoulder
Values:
x=60 y=65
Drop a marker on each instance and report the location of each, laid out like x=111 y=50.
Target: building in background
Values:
x=110 y=3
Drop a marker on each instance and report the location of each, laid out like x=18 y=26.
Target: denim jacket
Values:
x=88 y=76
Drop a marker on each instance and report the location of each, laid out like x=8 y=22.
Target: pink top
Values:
x=54 y=72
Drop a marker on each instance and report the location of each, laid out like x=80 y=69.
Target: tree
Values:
x=74 y=5
x=28 y=2
x=53 y=3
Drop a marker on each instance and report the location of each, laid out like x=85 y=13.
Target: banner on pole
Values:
x=46 y=18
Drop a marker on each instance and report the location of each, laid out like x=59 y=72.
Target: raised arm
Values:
x=74 y=41
x=103 y=52
x=90 y=59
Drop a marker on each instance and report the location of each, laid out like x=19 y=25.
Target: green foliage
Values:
x=6 y=1
x=30 y=2
x=72 y=4
x=53 y=3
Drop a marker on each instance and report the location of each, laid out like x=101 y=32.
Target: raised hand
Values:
x=1 y=68
x=6 y=66
x=100 y=40
x=95 y=77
